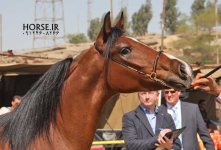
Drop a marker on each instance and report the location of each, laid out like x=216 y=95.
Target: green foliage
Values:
x=184 y=25
x=172 y=15
x=206 y=19
x=197 y=47
x=210 y=4
x=219 y=14
x=197 y=7
x=141 y=19
x=94 y=29
x=77 y=38
x=198 y=38
x=126 y=23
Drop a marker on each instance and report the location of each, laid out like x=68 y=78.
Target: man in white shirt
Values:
x=208 y=84
x=188 y=115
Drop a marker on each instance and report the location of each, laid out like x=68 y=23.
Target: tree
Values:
x=172 y=15
x=141 y=19
x=199 y=42
x=206 y=19
x=219 y=13
x=197 y=48
x=77 y=38
x=94 y=29
x=197 y=7
x=184 y=25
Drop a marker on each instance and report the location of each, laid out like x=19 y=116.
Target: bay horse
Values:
x=61 y=110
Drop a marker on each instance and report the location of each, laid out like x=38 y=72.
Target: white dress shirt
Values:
x=4 y=110
x=219 y=98
x=175 y=112
x=151 y=116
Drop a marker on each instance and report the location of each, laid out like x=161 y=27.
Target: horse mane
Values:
x=33 y=117
x=115 y=33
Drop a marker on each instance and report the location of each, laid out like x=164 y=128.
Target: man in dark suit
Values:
x=144 y=128
x=188 y=115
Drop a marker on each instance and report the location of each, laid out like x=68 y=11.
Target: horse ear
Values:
x=105 y=30
x=120 y=23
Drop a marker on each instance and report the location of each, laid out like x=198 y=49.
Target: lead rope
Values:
x=211 y=72
x=205 y=76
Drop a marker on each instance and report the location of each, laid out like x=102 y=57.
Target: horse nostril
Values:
x=182 y=72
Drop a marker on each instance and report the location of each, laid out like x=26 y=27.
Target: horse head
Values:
x=133 y=65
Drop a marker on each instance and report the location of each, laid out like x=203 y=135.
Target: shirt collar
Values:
x=219 y=96
x=146 y=110
x=176 y=106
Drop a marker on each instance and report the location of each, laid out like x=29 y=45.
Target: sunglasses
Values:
x=171 y=92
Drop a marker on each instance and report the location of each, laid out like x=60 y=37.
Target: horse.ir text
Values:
x=40 y=27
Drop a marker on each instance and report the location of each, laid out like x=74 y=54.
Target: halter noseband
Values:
x=152 y=75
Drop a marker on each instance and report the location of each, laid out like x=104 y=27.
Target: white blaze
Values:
x=187 y=67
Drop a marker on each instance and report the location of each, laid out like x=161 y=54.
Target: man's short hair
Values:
x=138 y=93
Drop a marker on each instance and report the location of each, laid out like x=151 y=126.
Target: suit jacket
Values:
x=137 y=131
x=193 y=120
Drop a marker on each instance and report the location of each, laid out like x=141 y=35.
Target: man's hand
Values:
x=208 y=84
x=163 y=141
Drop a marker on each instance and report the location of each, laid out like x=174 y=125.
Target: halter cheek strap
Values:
x=152 y=75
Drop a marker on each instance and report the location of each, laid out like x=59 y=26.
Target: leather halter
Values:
x=152 y=75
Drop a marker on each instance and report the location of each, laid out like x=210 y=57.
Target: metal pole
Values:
x=53 y=20
x=89 y=3
x=162 y=38
x=62 y=3
x=216 y=24
x=163 y=23
x=111 y=7
x=217 y=49
x=35 y=13
x=0 y=33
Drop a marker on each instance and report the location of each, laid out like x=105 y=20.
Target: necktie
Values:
x=175 y=116
x=172 y=112
x=176 y=121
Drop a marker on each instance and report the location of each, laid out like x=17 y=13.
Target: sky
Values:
x=15 y=13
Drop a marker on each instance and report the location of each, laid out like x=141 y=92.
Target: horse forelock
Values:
x=33 y=117
x=114 y=35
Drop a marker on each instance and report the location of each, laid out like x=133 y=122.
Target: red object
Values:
x=97 y=147
x=219 y=145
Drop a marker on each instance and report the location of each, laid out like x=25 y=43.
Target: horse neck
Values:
x=85 y=94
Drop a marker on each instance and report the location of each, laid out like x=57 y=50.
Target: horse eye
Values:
x=125 y=51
